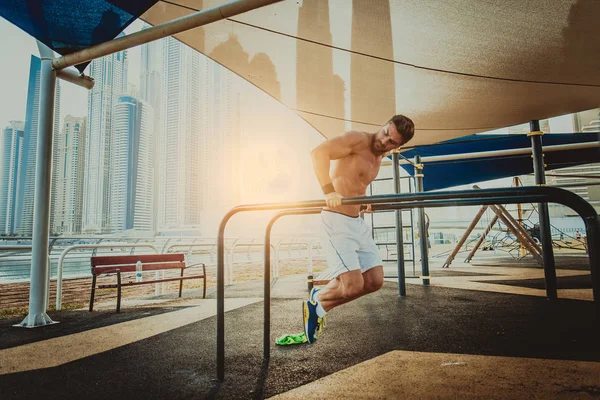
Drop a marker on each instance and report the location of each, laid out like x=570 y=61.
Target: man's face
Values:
x=387 y=139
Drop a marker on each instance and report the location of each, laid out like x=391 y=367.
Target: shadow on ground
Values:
x=180 y=364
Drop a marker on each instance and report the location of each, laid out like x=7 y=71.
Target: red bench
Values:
x=102 y=265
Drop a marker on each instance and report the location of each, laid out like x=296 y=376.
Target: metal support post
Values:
x=41 y=211
x=520 y=216
x=545 y=232
x=71 y=75
x=399 y=231
x=425 y=278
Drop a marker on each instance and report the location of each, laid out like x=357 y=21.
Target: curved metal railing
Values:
x=418 y=200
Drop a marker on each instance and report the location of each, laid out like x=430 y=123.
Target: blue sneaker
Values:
x=312 y=298
x=311 y=320
x=312 y=294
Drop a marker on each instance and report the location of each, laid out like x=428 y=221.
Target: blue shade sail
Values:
x=67 y=26
x=445 y=174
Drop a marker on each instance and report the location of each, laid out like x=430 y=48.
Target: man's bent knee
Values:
x=373 y=279
x=352 y=284
x=373 y=285
x=352 y=291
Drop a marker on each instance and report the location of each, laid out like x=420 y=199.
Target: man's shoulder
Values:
x=357 y=136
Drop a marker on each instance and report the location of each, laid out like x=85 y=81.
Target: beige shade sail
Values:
x=456 y=67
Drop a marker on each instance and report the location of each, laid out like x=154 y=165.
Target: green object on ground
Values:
x=286 y=340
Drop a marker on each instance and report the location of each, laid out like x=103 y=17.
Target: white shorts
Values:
x=348 y=244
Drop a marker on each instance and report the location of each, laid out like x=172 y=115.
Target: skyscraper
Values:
x=68 y=173
x=180 y=142
x=151 y=81
x=25 y=199
x=12 y=168
x=131 y=172
x=110 y=75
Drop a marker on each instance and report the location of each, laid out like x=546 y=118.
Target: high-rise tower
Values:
x=110 y=75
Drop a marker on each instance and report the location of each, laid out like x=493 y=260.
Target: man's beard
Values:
x=378 y=146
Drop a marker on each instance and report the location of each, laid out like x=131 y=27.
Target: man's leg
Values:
x=350 y=286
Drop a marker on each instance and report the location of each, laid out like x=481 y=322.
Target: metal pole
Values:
x=71 y=75
x=545 y=232
x=170 y=28
x=516 y=227
x=520 y=215
x=41 y=210
x=431 y=199
x=267 y=275
x=399 y=231
x=425 y=278
x=502 y=153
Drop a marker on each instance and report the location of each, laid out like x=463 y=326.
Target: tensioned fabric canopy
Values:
x=445 y=174
x=456 y=67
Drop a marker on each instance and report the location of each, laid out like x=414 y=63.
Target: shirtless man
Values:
x=355 y=266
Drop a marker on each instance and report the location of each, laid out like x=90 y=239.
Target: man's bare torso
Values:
x=352 y=174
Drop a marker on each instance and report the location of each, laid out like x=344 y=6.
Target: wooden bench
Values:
x=102 y=265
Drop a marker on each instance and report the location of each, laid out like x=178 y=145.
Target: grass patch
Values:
x=12 y=312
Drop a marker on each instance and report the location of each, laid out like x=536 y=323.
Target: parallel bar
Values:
x=545 y=229
x=432 y=199
x=513 y=225
x=161 y=31
x=267 y=275
x=422 y=229
x=520 y=215
x=399 y=231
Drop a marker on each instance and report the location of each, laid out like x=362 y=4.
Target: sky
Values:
x=16 y=46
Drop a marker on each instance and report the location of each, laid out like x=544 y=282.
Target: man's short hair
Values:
x=404 y=126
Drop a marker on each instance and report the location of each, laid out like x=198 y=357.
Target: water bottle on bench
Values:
x=138 y=271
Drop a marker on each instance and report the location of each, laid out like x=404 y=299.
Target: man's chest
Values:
x=362 y=169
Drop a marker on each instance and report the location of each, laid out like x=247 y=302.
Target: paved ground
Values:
x=477 y=332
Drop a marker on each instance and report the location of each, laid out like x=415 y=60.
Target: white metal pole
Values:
x=71 y=75
x=41 y=207
x=502 y=153
x=160 y=31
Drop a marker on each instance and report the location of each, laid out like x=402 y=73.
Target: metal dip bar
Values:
x=401 y=201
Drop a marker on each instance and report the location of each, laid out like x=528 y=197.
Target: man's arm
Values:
x=334 y=149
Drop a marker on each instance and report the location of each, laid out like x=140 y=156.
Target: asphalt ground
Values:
x=181 y=363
